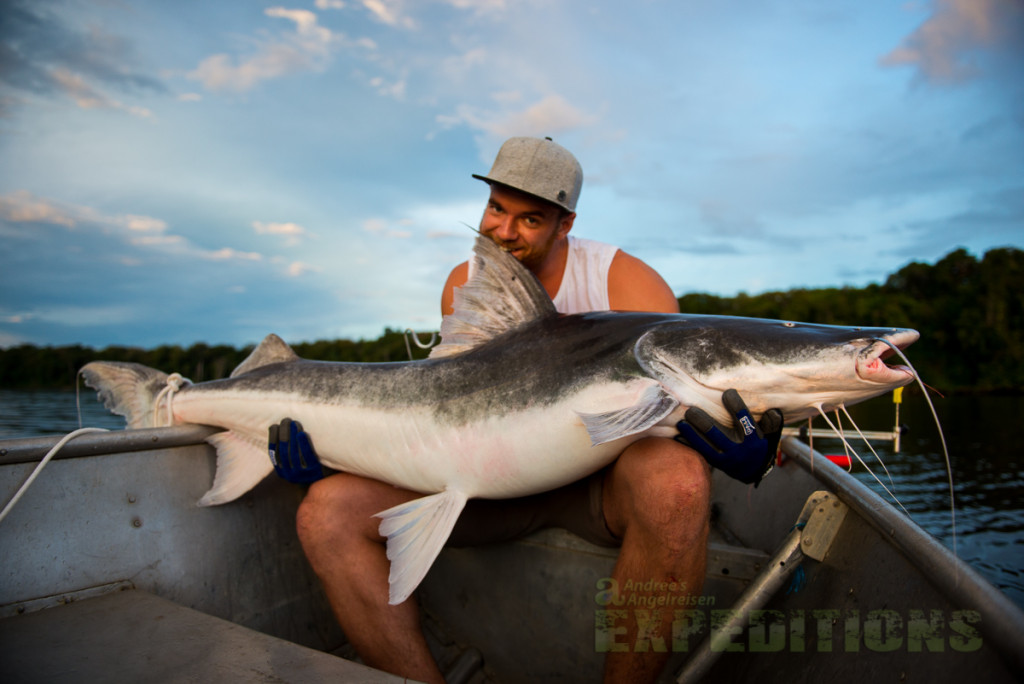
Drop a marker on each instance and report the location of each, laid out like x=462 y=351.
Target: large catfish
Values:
x=516 y=399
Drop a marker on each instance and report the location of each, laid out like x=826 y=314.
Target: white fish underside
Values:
x=500 y=456
x=516 y=400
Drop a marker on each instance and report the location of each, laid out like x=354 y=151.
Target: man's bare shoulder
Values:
x=634 y=286
x=457 y=278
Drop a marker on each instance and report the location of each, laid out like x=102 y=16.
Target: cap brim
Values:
x=491 y=181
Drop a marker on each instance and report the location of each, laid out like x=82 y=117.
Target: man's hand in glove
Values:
x=746 y=452
x=292 y=453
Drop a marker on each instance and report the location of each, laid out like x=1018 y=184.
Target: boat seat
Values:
x=135 y=636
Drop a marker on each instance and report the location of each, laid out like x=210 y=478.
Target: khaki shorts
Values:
x=577 y=507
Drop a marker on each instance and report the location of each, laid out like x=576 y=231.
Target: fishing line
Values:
x=846 y=446
x=942 y=438
x=78 y=397
x=861 y=461
x=810 y=437
x=868 y=442
x=42 y=464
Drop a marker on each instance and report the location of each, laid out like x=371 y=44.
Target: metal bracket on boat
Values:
x=812 y=536
x=823 y=522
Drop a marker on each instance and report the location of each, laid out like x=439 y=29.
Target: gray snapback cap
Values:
x=538 y=167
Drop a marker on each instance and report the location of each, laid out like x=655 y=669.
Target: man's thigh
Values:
x=576 y=507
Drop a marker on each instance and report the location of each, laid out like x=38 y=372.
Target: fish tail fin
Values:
x=241 y=464
x=131 y=390
x=416 y=532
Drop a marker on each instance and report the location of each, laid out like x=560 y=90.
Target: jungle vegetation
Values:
x=970 y=313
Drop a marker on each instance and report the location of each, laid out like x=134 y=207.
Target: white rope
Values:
x=174 y=383
x=415 y=338
x=42 y=464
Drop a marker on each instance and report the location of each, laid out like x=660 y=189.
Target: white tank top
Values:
x=585 y=281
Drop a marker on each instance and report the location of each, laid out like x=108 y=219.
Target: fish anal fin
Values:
x=241 y=464
x=500 y=295
x=271 y=350
x=416 y=531
x=652 y=406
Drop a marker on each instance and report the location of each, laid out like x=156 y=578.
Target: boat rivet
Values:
x=136 y=522
x=131 y=498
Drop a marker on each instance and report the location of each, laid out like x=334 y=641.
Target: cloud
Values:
x=991 y=217
x=227 y=254
x=377 y=226
x=157 y=240
x=86 y=97
x=21 y=207
x=551 y=115
x=143 y=224
x=147 y=232
x=307 y=48
x=396 y=13
x=390 y=12
x=42 y=55
x=950 y=46
x=293 y=232
x=298 y=268
x=395 y=89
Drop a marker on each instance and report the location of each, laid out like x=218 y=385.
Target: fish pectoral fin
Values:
x=416 y=532
x=653 y=405
x=241 y=464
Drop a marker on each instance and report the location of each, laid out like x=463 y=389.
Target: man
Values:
x=653 y=501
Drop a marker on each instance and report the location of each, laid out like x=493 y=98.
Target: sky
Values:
x=189 y=171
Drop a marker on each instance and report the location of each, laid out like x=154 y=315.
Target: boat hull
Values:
x=120 y=514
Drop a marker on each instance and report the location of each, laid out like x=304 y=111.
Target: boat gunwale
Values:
x=33 y=449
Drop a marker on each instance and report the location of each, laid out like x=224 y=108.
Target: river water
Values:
x=981 y=433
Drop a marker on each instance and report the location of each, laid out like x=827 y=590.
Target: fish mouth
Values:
x=871 y=361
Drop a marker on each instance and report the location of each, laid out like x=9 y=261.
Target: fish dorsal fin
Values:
x=500 y=296
x=271 y=350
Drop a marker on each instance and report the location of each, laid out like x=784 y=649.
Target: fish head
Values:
x=796 y=367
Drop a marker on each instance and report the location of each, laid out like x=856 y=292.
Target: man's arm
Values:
x=457 y=278
x=635 y=286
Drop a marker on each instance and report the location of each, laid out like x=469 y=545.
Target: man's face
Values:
x=523 y=225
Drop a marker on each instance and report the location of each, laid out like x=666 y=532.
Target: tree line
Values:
x=970 y=313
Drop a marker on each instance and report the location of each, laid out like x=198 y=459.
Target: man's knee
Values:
x=662 y=486
x=333 y=507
